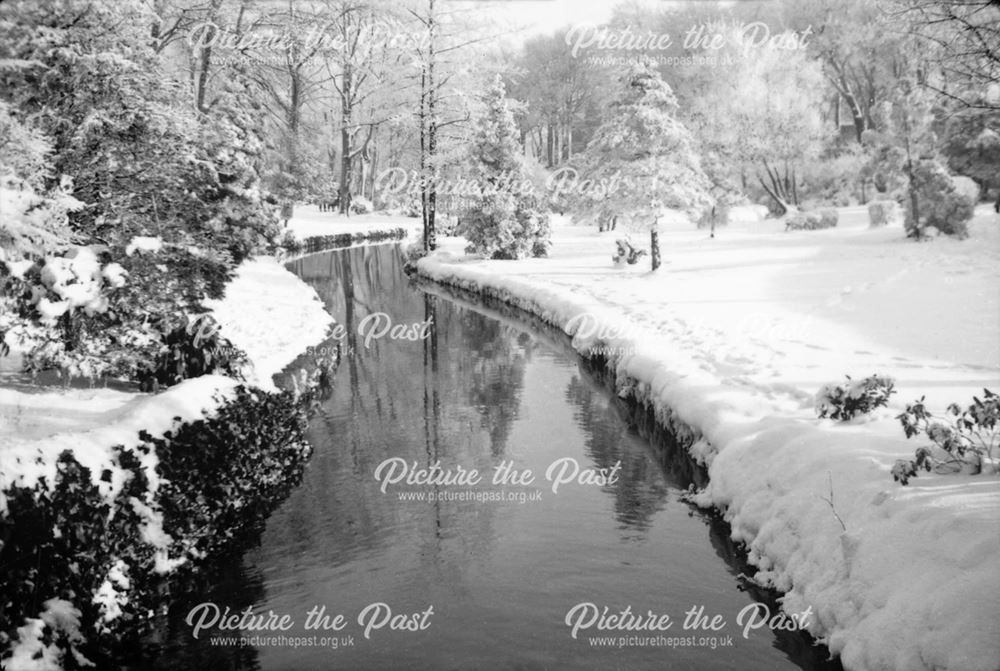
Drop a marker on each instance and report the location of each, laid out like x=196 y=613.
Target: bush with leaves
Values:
x=965 y=440
x=853 y=398
x=811 y=221
x=219 y=478
x=192 y=349
x=88 y=316
x=109 y=115
x=942 y=204
x=884 y=212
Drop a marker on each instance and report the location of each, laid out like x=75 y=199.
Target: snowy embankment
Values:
x=308 y=222
x=731 y=340
x=272 y=315
x=267 y=312
x=118 y=443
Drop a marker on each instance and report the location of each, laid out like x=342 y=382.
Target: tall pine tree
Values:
x=504 y=220
x=641 y=160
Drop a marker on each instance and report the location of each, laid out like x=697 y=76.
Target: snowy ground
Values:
x=267 y=311
x=307 y=221
x=736 y=334
x=271 y=315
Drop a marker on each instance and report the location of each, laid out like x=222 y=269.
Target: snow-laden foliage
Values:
x=811 y=221
x=140 y=164
x=49 y=642
x=642 y=160
x=753 y=108
x=907 y=164
x=35 y=214
x=361 y=205
x=965 y=440
x=503 y=219
x=96 y=555
x=845 y=401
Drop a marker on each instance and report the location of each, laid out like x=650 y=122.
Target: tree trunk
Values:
x=548 y=145
x=431 y=135
x=428 y=137
x=654 y=244
x=345 y=142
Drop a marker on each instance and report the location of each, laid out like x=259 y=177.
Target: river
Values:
x=484 y=390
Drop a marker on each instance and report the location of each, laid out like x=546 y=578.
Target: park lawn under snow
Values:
x=734 y=336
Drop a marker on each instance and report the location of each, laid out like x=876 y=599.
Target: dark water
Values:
x=483 y=389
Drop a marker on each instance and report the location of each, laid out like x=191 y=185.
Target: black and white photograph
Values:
x=500 y=335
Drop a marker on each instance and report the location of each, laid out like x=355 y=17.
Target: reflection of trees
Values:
x=452 y=397
x=492 y=364
x=640 y=491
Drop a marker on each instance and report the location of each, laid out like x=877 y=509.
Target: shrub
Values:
x=941 y=204
x=885 y=213
x=219 y=478
x=193 y=349
x=290 y=244
x=846 y=401
x=965 y=441
x=811 y=221
x=361 y=205
x=711 y=217
x=319 y=243
x=828 y=217
x=967 y=187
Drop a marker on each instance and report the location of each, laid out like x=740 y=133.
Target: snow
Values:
x=732 y=339
x=25 y=459
x=270 y=314
x=32 y=653
x=307 y=221
x=267 y=311
x=143 y=244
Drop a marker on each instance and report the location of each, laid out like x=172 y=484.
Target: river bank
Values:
x=730 y=342
x=112 y=491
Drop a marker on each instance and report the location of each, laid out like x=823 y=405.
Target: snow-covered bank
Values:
x=270 y=314
x=267 y=312
x=733 y=337
x=308 y=222
x=131 y=485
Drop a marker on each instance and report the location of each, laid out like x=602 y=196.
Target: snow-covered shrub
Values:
x=885 y=213
x=50 y=641
x=87 y=315
x=192 y=349
x=811 y=221
x=716 y=215
x=319 y=243
x=845 y=401
x=186 y=497
x=940 y=203
x=967 y=187
x=966 y=440
x=828 y=217
x=361 y=205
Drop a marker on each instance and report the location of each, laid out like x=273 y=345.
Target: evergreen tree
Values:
x=642 y=159
x=906 y=161
x=503 y=220
x=140 y=162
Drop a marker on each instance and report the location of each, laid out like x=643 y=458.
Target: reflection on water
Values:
x=483 y=389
